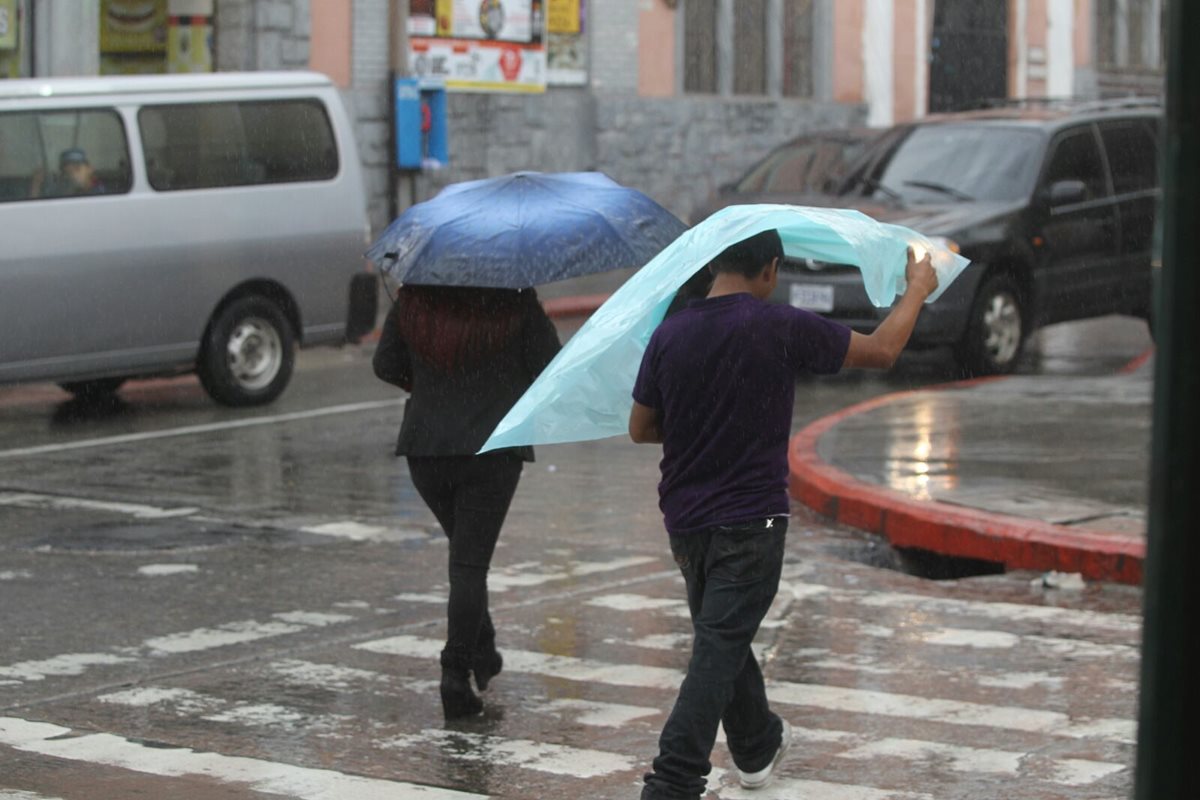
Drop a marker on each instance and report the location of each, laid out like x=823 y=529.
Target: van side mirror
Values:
x=1063 y=193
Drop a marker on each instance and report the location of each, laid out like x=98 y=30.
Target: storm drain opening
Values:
x=875 y=551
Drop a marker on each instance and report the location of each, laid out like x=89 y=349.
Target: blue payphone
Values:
x=422 y=134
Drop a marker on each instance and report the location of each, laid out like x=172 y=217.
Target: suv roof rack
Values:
x=1077 y=104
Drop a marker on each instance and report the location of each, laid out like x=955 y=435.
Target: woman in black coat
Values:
x=466 y=356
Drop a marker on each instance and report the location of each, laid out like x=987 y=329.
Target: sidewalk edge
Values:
x=1017 y=542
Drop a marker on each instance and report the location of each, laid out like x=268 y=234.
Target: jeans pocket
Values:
x=744 y=556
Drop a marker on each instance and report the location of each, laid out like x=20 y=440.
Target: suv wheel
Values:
x=248 y=352
x=88 y=391
x=996 y=329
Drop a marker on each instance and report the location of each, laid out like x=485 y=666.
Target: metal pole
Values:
x=1170 y=699
x=397 y=67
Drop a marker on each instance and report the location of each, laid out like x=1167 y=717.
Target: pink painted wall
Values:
x=1036 y=36
x=656 y=50
x=904 y=59
x=1083 y=32
x=847 y=51
x=332 y=39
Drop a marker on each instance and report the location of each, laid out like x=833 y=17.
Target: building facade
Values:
x=675 y=97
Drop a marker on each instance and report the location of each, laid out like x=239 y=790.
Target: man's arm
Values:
x=883 y=346
x=643 y=425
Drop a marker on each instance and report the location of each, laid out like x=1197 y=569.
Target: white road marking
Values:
x=158 y=570
x=958 y=637
x=518 y=576
x=325 y=676
x=794 y=788
x=190 y=430
x=192 y=641
x=657 y=641
x=65 y=664
x=638 y=602
x=251 y=773
x=14 y=574
x=17 y=794
x=603 y=715
x=360 y=532
x=415 y=597
x=222 y=636
x=1079 y=772
x=831 y=698
x=936 y=636
x=59 y=503
x=957 y=608
x=538 y=756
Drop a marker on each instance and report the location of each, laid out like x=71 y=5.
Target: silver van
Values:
x=165 y=224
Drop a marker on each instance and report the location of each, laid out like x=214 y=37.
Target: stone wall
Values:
x=262 y=34
x=677 y=150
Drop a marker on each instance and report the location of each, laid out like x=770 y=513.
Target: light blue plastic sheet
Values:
x=585 y=392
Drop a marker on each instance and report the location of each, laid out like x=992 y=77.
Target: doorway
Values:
x=968 y=65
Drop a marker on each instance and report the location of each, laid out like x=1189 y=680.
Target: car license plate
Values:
x=812 y=296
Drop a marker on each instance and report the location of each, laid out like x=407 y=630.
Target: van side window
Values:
x=55 y=154
x=207 y=145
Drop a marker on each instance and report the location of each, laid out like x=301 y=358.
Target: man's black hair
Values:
x=749 y=256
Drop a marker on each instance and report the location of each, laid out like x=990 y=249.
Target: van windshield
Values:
x=960 y=162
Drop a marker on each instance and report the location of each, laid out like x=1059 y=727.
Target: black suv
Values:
x=1053 y=204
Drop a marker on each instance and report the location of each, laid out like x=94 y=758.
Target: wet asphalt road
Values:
x=198 y=602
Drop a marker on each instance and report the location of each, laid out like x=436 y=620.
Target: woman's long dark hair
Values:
x=453 y=327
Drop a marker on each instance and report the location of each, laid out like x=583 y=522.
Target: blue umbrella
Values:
x=585 y=392
x=522 y=230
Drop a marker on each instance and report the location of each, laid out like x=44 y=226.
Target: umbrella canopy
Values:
x=524 y=230
x=585 y=392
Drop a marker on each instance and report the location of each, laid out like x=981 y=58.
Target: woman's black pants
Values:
x=470 y=496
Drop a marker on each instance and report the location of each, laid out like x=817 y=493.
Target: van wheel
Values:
x=92 y=390
x=247 y=354
x=996 y=329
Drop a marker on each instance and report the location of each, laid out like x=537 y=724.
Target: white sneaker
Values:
x=757 y=780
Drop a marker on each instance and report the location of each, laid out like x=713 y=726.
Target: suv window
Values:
x=939 y=163
x=1077 y=157
x=206 y=145
x=55 y=154
x=1132 y=150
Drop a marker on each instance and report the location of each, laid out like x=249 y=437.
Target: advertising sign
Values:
x=478 y=45
x=8 y=24
x=566 y=44
x=481 y=66
x=133 y=26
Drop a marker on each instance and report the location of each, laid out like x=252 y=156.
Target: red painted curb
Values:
x=1017 y=542
x=577 y=306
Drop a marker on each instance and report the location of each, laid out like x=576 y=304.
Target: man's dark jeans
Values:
x=470 y=496
x=732 y=574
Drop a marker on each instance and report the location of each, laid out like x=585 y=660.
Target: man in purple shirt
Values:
x=716 y=388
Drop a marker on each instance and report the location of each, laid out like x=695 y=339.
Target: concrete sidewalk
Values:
x=1043 y=473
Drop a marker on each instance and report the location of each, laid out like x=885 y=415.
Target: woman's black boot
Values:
x=458 y=700
x=487 y=665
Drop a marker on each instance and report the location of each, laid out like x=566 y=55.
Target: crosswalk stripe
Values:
x=938 y=636
x=256 y=774
x=831 y=698
x=17 y=794
x=955 y=607
x=959 y=758
x=793 y=788
x=553 y=759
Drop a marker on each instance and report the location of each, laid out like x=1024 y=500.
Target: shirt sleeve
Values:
x=645 y=388
x=813 y=344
